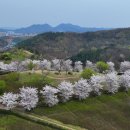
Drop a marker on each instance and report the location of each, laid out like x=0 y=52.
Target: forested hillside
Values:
x=3 y=41
x=102 y=45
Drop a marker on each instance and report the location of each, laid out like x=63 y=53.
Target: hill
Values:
x=42 y=28
x=106 y=112
x=105 y=45
x=3 y=42
x=8 y=42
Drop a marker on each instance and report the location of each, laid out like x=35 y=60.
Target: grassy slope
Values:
x=99 y=113
x=15 y=123
x=19 y=54
x=57 y=79
x=14 y=81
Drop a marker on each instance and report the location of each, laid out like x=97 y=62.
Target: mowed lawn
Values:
x=105 y=112
x=8 y=122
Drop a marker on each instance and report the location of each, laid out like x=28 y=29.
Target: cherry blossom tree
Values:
x=49 y=95
x=67 y=65
x=96 y=83
x=28 y=97
x=45 y=64
x=111 y=66
x=82 y=89
x=9 y=100
x=57 y=64
x=65 y=91
x=124 y=81
x=1 y=100
x=18 y=66
x=112 y=83
x=78 y=66
x=127 y=72
x=124 y=66
x=89 y=64
x=24 y=64
x=2 y=66
x=36 y=64
x=13 y=66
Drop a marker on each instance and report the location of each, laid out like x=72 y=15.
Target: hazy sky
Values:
x=88 y=13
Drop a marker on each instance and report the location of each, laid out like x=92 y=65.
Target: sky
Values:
x=86 y=13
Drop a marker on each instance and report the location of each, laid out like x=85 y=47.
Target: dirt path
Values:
x=62 y=78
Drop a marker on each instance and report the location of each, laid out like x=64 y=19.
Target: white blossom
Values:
x=124 y=81
x=29 y=97
x=45 y=64
x=13 y=66
x=65 y=91
x=67 y=65
x=82 y=89
x=49 y=95
x=24 y=64
x=127 y=72
x=9 y=100
x=124 y=66
x=96 y=82
x=111 y=66
x=112 y=83
x=36 y=63
x=78 y=66
x=89 y=64
x=56 y=64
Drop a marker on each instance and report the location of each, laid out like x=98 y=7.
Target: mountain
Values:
x=74 y=28
x=4 y=30
x=3 y=42
x=35 y=29
x=111 y=45
x=7 y=42
x=42 y=28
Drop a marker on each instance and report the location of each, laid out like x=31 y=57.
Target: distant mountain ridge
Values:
x=43 y=28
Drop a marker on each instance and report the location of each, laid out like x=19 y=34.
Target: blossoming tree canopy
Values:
x=9 y=100
x=78 y=66
x=49 y=95
x=96 y=82
x=112 y=84
x=29 y=97
x=65 y=91
x=82 y=89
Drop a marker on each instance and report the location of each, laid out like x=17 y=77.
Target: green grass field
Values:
x=14 y=81
x=16 y=55
x=95 y=113
x=106 y=112
x=15 y=123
